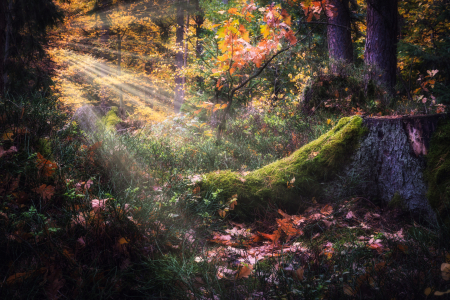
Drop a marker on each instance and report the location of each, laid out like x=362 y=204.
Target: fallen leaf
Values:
x=122 y=241
x=445 y=271
x=348 y=290
x=438 y=293
x=98 y=205
x=327 y=210
x=46 y=191
x=350 y=215
x=273 y=237
x=244 y=271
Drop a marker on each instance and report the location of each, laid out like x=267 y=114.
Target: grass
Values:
x=122 y=218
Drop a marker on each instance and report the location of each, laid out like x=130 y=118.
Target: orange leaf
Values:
x=327 y=210
x=244 y=271
x=45 y=166
x=285 y=215
x=288 y=228
x=222 y=213
x=273 y=237
x=46 y=191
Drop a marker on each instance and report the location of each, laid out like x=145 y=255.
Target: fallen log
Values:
x=380 y=158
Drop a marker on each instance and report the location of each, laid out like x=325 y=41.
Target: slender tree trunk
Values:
x=186 y=48
x=340 y=47
x=179 y=91
x=381 y=41
x=119 y=73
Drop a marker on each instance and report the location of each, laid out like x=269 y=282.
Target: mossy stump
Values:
x=377 y=158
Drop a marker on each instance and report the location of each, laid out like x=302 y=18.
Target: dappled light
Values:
x=223 y=149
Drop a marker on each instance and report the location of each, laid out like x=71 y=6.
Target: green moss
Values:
x=397 y=201
x=313 y=165
x=110 y=120
x=44 y=148
x=438 y=171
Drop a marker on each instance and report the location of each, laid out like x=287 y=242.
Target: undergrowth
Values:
x=123 y=217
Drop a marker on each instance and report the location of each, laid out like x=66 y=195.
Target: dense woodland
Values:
x=224 y=149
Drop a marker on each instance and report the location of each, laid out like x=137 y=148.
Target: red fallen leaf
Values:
x=403 y=248
x=327 y=210
x=288 y=228
x=45 y=166
x=376 y=246
x=46 y=191
x=273 y=237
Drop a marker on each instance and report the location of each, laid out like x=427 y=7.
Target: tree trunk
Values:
x=377 y=158
x=119 y=73
x=340 y=47
x=381 y=41
x=199 y=19
x=5 y=31
x=3 y=8
x=179 y=60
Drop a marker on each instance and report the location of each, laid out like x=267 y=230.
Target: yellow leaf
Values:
x=123 y=241
x=437 y=293
x=7 y=136
x=265 y=30
x=328 y=121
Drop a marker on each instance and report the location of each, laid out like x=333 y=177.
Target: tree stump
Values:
x=379 y=158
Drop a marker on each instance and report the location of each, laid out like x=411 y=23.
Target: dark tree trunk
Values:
x=391 y=160
x=381 y=41
x=179 y=60
x=199 y=19
x=5 y=31
x=3 y=8
x=340 y=47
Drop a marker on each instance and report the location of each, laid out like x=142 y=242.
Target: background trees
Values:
x=23 y=32
x=381 y=41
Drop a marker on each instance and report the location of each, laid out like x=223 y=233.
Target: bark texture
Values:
x=381 y=41
x=340 y=47
x=391 y=161
x=179 y=58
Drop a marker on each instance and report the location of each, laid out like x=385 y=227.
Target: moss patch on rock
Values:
x=292 y=181
x=438 y=172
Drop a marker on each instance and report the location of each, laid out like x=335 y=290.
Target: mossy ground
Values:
x=291 y=181
x=438 y=171
x=110 y=120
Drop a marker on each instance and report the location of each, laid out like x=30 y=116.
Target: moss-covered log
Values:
x=291 y=181
x=378 y=158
